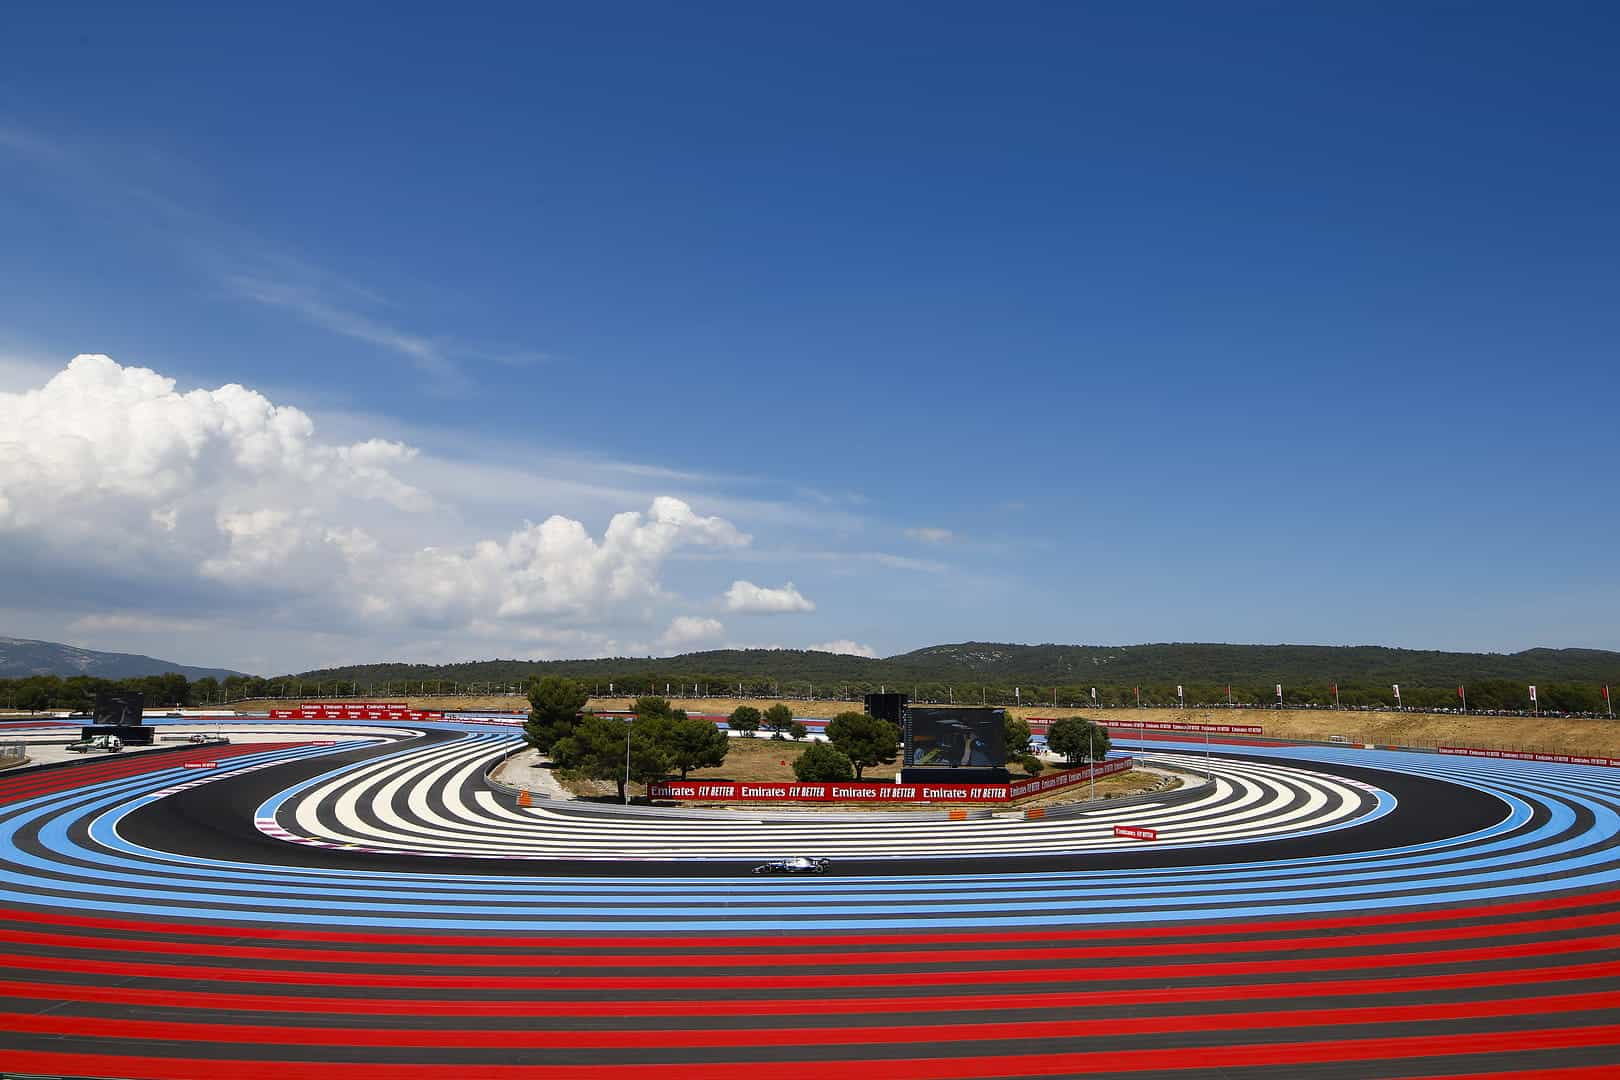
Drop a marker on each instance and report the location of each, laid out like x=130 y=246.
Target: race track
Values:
x=331 y=906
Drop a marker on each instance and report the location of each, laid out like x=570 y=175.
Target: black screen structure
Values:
x=955 y=738
x=890 y=707
x=120 y=710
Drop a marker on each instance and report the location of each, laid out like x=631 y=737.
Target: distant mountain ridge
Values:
x=1043 y=665
x=22 y=657
x=1206 y=662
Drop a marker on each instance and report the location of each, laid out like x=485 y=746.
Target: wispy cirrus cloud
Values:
x=885 y=559
x=428 y=355
x=116 y=182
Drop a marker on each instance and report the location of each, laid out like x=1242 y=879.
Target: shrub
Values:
x=822 y=762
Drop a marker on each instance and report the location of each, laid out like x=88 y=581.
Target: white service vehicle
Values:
x=110 y=743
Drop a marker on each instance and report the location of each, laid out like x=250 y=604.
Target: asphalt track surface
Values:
x=152 y=931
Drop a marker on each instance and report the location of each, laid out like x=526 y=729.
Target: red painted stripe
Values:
x=1067 y=1064
x=854 y=1035
x=1291 y=927
x=19 y=962
x=32 y=785
x=462 y=1005
x=1025 y=958
x=1572 y=1072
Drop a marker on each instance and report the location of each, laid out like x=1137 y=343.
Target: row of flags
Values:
x=1181 y=695
x=1462 y=692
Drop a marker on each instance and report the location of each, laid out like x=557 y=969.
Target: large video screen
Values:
x=956 y=738
x=121 y=709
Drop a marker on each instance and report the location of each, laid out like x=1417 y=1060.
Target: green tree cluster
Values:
x=1078 y=739
x=555 y=708
x=657 y=741
x=1015 y=741
x=688 y=742
x=744 y=718
x=607 y=748
x=778 y=720
x=864 y=739
x=78 y=692
x=823 y=763
x=1015 y=737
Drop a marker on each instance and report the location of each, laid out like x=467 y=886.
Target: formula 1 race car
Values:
x=798 y=864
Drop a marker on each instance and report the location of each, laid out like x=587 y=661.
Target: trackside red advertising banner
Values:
x=1068 y=778
x=1135 y=833
x=696 y=789
x=355 y=711
x=1169 y=725
x=1041 y=723
x=1519 y=755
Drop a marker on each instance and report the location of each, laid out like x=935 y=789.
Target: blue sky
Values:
x=1216 y=323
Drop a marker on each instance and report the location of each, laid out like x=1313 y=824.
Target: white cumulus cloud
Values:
x=112 y=467
x=844 y=647
x=746 y=598
x=102 y=439
x=690 y=630
x=555 y=568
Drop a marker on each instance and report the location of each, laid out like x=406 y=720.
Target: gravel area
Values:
x=523 y=770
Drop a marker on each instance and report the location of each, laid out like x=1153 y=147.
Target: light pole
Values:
x=1091 y=759
x=627 y=724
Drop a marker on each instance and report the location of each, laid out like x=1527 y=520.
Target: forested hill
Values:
x=1041 y=665
x=22 y=657
x=1262 y=663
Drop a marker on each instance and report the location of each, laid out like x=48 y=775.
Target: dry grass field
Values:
x=1543 y=734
